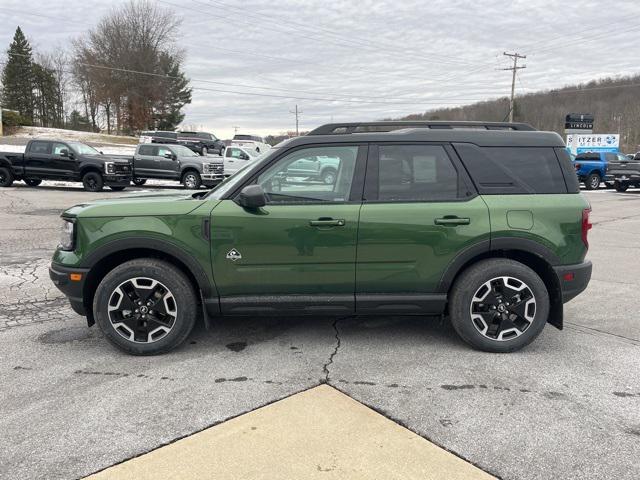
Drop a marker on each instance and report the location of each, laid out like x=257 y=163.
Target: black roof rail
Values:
x=376 y=127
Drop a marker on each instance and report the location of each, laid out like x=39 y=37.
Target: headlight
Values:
x=109 y=167
x=67 y=234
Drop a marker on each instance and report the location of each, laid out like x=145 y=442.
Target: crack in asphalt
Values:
x=325 y=367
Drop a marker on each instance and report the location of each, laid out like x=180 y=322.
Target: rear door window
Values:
x=416 y=173
x=146 y=150
x=40 y=148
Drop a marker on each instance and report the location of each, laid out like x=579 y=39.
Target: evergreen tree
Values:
x=168 y=113
x=47 y=99
x=17 y=77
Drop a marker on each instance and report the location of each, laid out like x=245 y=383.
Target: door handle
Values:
x=452 y=220
x=327 y=222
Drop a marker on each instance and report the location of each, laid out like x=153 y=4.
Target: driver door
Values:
x=299 y=251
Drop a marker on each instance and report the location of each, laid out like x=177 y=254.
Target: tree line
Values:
x=123 y=76
x=615 y=103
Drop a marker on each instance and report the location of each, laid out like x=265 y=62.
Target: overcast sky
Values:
x=360 y=59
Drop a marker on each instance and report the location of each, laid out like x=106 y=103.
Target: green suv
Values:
x=481 y=222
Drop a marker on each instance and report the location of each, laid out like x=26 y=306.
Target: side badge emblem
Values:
x=233 y=255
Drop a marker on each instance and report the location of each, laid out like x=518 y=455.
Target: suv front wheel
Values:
x=499 y=305
x=145 y=306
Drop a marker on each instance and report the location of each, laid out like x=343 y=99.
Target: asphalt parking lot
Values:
x=567 y=406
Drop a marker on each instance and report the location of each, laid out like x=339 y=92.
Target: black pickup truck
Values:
x=624 y=174
x=68 y=161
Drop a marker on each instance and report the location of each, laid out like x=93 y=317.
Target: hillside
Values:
x=614 y=102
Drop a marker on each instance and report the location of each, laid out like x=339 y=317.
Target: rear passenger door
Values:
x=420 y=212
x=144 y=161
x=38 y=162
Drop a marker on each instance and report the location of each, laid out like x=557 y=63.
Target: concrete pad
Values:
x=319 y=433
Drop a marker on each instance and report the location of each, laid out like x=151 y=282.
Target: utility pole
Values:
x=235 y=130
x=516 y=56
x=297 y=114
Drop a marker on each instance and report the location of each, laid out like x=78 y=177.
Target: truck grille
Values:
x=215 y=168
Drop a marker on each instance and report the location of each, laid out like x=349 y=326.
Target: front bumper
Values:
x=211 y=179
x=573 y=279
x=117 y=180
x=61 y=278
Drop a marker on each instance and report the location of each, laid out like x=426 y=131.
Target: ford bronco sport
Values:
x=481 y=222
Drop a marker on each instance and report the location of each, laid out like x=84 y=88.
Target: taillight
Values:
x=578 y=166
x=586 y=226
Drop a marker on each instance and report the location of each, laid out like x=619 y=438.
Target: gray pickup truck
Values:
x=176 y=162
x=624 y=173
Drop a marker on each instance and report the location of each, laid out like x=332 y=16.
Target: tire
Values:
x=92 y=182
x=116 y=188
x=328 y=176
x=173 y=320
x=6 y=177
x=513 y=331
x=221 y=151
x=204 y=152
x=32 y=182
x=191 y=180
x=139 y=181
x=592 y=182
x=620 y=187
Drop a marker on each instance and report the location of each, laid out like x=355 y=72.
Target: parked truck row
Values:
x=77 y=162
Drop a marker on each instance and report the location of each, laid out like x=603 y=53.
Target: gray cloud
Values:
x=408 y=56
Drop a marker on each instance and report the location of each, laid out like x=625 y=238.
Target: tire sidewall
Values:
x=469 y=282
x=168 y=275
x=590 y=180
x=198 y=180
x=99 y=182
x=8 y=177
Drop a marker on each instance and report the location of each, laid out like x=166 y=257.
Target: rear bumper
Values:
x=72 y=289
x=573 y=279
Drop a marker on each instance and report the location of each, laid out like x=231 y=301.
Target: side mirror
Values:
x=64 y=152
x=169 y=156
x=252 y=196
x=244 y=156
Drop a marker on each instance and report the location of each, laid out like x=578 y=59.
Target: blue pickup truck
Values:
x=591 y=167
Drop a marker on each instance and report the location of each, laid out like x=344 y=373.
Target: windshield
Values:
x=238 y=177
x=83 y=149
x=183 y=151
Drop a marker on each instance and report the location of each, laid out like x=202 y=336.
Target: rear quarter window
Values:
x=513 y=170
x=40 y=148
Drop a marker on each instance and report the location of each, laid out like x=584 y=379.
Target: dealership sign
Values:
x=605 y=142
x=578 y=123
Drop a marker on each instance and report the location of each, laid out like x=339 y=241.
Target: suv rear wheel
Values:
x=592 y=182
x=145 y=306
x=92 y=182
x=499 y=305
x=191 y=180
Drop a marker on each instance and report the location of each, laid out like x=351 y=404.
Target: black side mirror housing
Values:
x=64 y=152
x=252 y=196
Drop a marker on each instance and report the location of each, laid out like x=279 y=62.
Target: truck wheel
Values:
x=116 y=188
x=32 y=182
x=592 y=182
x=6 y=177
x=191 y=180
x=221 y=151
x=621 y=186
x=499 y=305
x=145 y=306
x=139 y=181
x=204 y=151
x=92 y=182
x=329 y=176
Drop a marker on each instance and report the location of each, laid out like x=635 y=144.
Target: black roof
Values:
x=388 y=126
x=481 y=137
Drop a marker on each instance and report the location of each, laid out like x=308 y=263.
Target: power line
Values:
x=516 y=56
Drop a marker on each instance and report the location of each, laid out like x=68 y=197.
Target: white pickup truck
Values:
x=235 y=158
x=253 y=142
